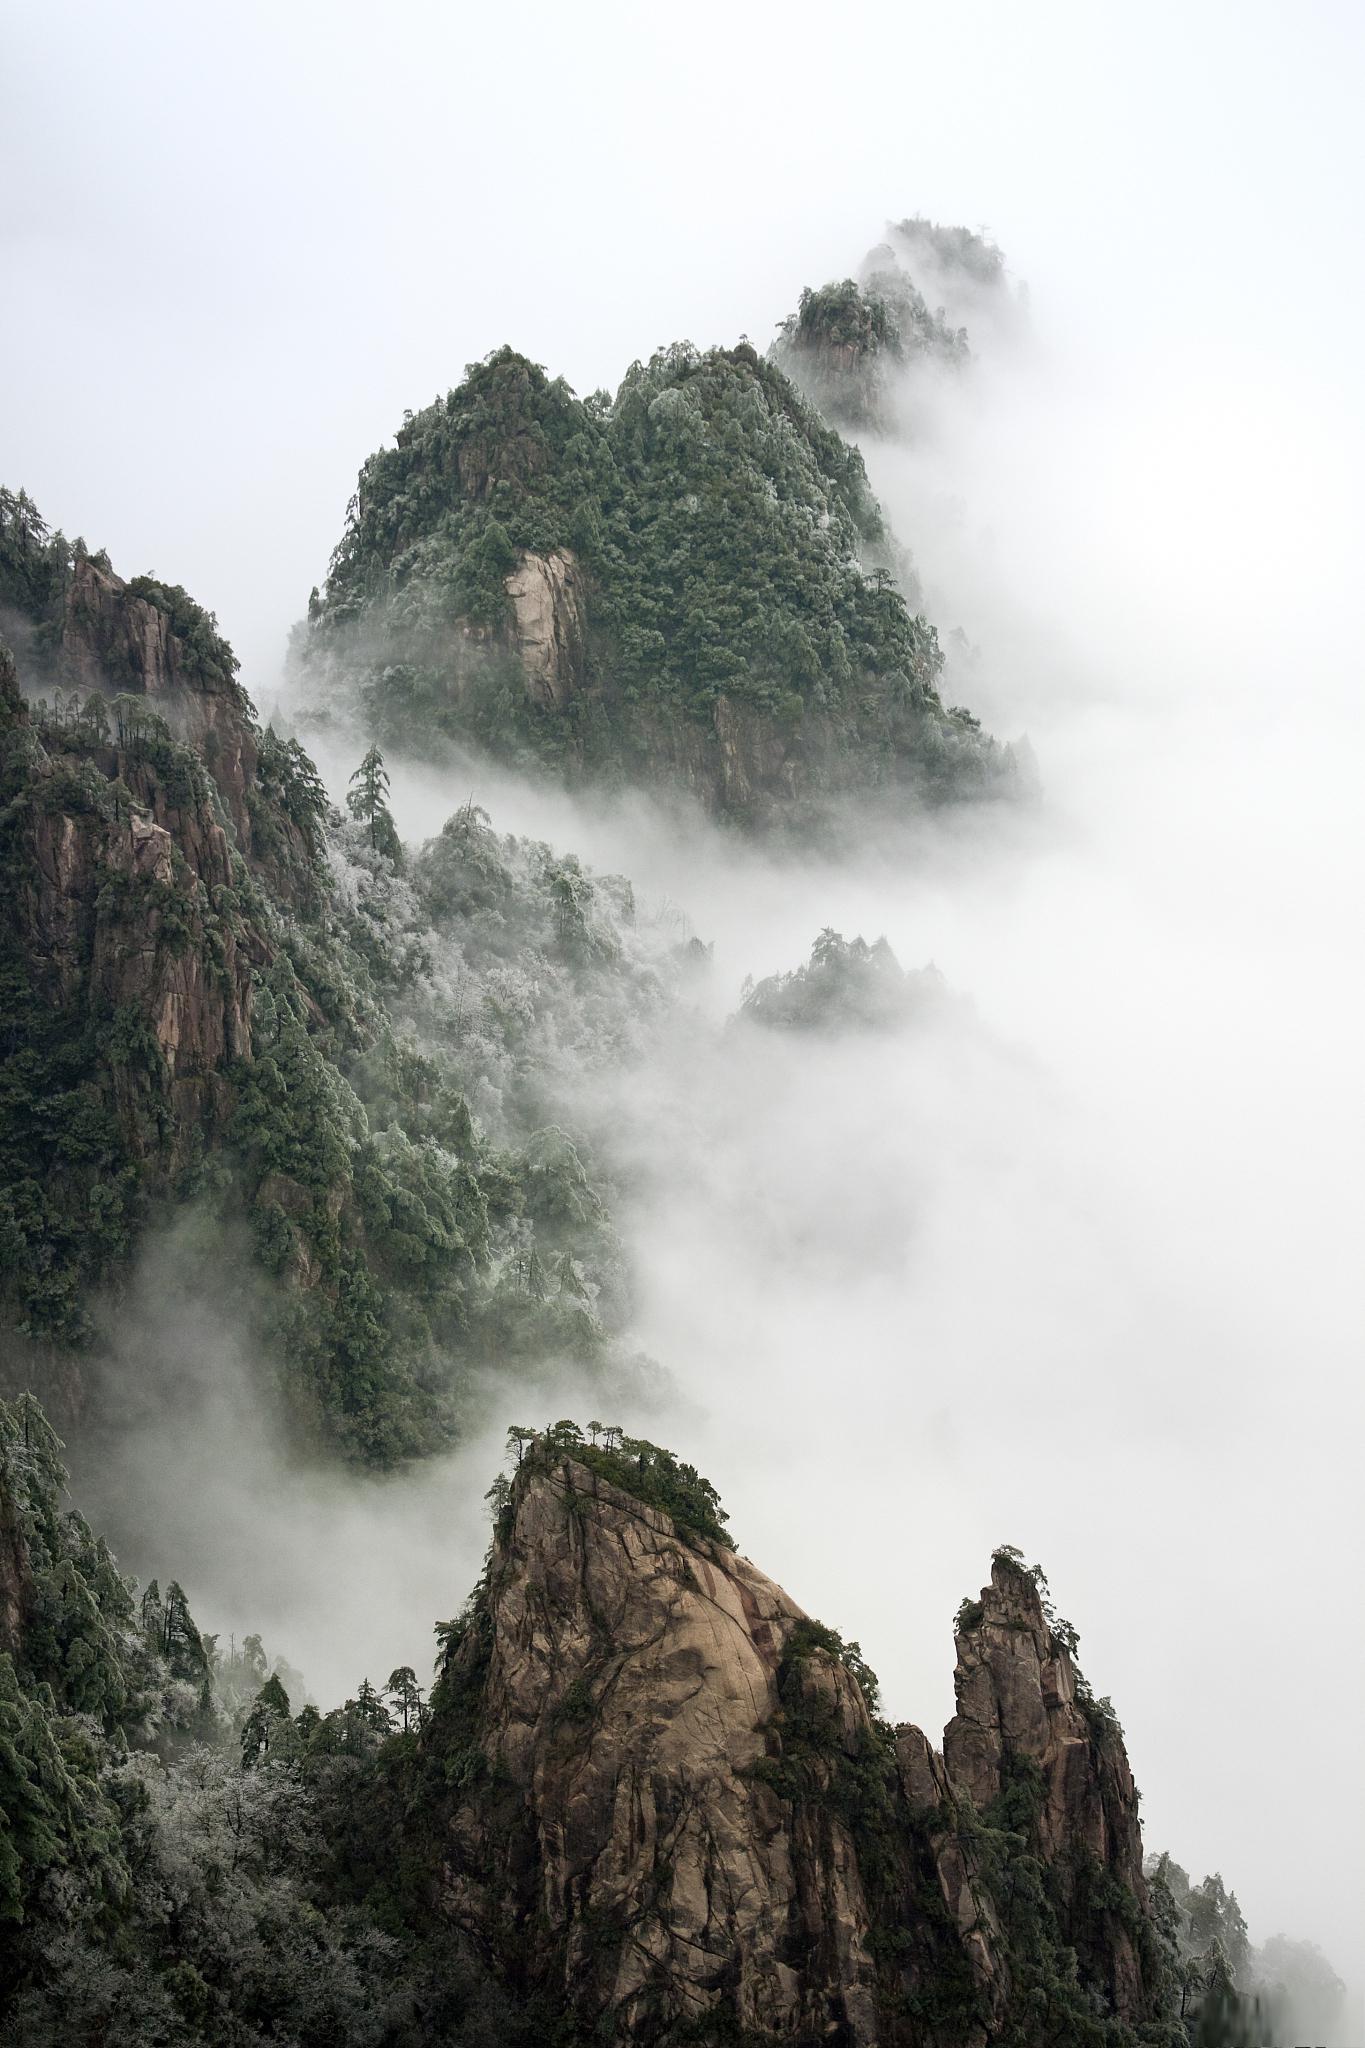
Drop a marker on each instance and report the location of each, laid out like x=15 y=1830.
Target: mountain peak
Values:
x=678 y=1777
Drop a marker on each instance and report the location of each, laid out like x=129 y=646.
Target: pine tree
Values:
x=406 y=1694
x=370 y=1711
x=266 y=1724
x=366 y=799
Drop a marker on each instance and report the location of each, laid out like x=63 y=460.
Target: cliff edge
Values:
x=677 y=1816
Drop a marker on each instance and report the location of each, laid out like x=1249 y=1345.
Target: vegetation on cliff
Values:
x=846 y=342
x=853 y=344
x=353 y=1071
x=179 y=1852
x=644 y=1470
x=371 y=1071
x=38 y=582
x=191 y=1852
x=84 y=1094
x=731 y=551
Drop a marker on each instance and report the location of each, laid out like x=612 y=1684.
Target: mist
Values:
x=1065 y=1265
x=1070 y=1265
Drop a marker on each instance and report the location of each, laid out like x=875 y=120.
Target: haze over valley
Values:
x=793 y=891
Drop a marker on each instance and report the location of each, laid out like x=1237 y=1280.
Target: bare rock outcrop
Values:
x=1025 y=1717
x=111 y=636
x=629 y=1697
x=144 y=640
x=675 y=1814
x=549 y=625
x=963 y=1882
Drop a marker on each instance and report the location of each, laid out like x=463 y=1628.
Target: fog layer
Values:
x=1068 y=1266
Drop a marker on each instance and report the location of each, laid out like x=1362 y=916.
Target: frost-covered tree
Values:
x=367 y=800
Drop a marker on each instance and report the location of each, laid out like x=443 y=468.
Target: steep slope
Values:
x=627 y=1679
x=688 y=584
x=146 y=646
x=1028 y=1732
x=649 y=1801
x=677 y=1780
x=215 y=992
x=152 y=1889
x=128 y=993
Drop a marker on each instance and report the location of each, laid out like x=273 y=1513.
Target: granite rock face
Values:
x=631 y=1683
x=550 y=626
x=133 y=934
x=676 y=1814
x=113 y=639
x=1020 y=1701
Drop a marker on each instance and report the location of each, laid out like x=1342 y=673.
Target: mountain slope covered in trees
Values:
x=688 y=583
x=357 y=1067
x=353 y=1067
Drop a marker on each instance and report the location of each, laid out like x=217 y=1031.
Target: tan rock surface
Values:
x=677 y=1811
x=632 y=1683
x=547 y=602
x=1019 y=1698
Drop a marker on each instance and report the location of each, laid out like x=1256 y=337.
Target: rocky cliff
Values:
x=680 y=1819
x=627 y=1703
x=153 y=842
x=1025 y=1719
x=549 y=625
x=76 y=628
x=135 y=637
x=173 y=1028
x=204 y=974
x=649 y=1801
x=121 y=901
x=128 y=960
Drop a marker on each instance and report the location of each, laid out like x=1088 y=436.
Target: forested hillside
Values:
x=856 y=346
x=221 y=995
x=689 y=583
x=353 y=1066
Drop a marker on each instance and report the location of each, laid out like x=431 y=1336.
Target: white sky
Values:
x=236 y=248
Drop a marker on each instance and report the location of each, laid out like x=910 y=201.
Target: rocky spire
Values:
x=674 y=1808
x=1026 y=1722
x=623 y=1687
